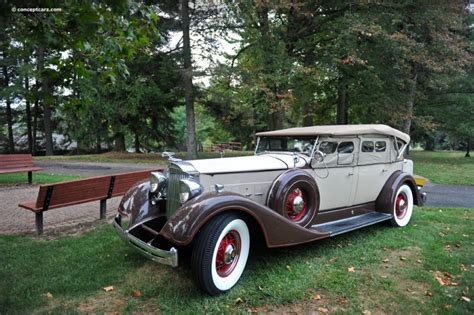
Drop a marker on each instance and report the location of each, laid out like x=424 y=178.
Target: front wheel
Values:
x=220 y=253
x=402 y=208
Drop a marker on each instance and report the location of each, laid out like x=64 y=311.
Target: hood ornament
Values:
x=170 y=156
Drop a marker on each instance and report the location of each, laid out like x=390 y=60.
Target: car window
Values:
x=367 y=146
x=328 y=147
x=345 y=147
x=380 y=146
x=285 y=144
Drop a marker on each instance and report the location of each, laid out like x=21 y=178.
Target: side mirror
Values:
x=318 y=157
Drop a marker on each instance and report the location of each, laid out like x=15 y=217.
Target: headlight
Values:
x=157 y=182
x=188 y=189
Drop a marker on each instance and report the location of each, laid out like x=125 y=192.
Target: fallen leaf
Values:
x=260 y=288
x=253 y=310
x=323 y=310
x=403 y=258
x=136 y=293
x=239 y=301
x=366 y=312
x=444 y=279
x=465 y=299
x=428 y=293
x=447 y=306
x=109 y=288
x=332 y=260
x=288 y=267
x=49 y=296
x=386 y=260
x=317 y=297
x=462 y=267
x=419 y=261
x=447 y=248
x=351 y=269
x=465 y=235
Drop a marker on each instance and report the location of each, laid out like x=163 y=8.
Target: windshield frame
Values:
x=313 y=140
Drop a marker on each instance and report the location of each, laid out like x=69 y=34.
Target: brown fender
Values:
x=278 y=231
x=386 y=198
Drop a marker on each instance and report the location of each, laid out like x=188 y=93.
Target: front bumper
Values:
x=166 y=257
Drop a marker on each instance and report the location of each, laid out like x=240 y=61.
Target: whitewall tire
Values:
x=220 y=253
x=402 y=208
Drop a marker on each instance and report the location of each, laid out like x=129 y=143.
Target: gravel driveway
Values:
x=17 y=220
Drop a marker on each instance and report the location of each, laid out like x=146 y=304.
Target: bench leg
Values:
x=39 y=223
x=103 y=209
x=30 y=178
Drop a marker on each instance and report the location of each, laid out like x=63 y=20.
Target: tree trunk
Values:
x=429 y=143
x=137 y=143
x=341 y=114
x=188 y=83
x=468 y=149
x=410 y=102
x=35 y=124
x=98 y=147
x=307 y=114
x=47 y=98
x=119 y=142
x=11 y=143
x=28 y=115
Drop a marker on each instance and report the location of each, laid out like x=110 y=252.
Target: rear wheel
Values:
x=402 y=208
x=220 y=253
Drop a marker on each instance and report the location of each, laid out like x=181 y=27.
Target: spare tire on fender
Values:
x=295 y=195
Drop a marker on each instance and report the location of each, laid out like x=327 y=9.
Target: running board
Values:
x=352 y=223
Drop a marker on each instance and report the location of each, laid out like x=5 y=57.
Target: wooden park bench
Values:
x=17 y=163
x=101 y=188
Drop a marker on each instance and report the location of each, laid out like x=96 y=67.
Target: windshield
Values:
x=285 y=144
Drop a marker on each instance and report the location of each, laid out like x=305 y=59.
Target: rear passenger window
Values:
x=345 y=147
x=328 y=147
x=380 y=146
x=367 y=146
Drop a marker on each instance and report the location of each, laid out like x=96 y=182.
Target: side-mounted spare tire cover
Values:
x=295 y=195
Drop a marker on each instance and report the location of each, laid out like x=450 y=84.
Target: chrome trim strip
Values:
x=161 y=256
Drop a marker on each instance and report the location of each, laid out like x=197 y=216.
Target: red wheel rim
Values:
x=401 y=205
x=296 y=205
x=228 y=253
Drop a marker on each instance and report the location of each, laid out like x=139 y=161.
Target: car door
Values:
x=374 y=168
x=336 y=175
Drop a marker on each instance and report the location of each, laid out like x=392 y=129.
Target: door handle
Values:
x=350 y=174
x=384 y=170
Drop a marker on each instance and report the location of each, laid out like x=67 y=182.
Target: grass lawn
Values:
x=444 y=167
x=426 y=267
x=38 y=178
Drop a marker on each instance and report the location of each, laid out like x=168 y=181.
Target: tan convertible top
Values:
x=339 y=130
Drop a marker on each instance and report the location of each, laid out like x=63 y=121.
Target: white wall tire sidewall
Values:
x=407 y=191
x=226 y=283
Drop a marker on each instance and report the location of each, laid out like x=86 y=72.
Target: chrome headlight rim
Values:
x=188 y=189
x=158 y=182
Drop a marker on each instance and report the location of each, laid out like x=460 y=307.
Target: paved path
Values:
x=16 y=220
x=449 y=195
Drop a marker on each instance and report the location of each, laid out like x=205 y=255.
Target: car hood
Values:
x=265 y=162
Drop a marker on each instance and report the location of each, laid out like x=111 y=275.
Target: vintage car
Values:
x=302 y=184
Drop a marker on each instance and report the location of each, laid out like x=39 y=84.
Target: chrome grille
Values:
x=172 y=203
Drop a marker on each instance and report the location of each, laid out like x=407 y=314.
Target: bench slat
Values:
x=18 y=170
